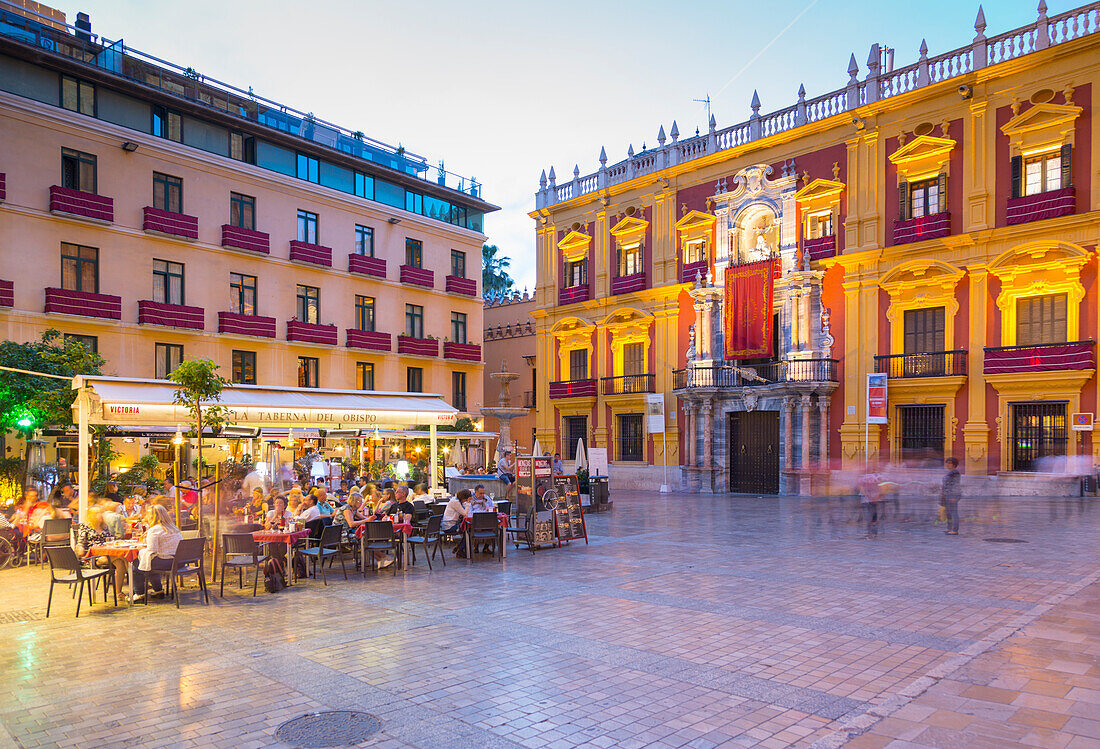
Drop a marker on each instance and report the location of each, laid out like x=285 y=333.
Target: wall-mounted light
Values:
x=129 y=146
x=395 y=220
x=128 y=440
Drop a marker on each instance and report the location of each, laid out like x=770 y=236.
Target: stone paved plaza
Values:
x=697 y=621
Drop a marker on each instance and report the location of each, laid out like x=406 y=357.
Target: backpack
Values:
x=300 y=570
x=274 y=576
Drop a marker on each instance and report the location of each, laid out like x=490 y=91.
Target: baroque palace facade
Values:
x=936 y=224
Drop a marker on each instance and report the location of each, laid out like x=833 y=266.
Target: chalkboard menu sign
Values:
x=568 y=515
x=534 y=489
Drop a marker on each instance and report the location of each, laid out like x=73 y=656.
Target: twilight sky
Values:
x=501 y=90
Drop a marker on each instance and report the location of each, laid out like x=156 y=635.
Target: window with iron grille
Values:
x=78 y=170
x=77 y=95
x=920 y=433
x=578 y=364
x=167 y=357
x=631 y=437
x=242 y=294
x=307 y=227
x=167 y=193
x=576 y=428
x=79 y=268
x=242 y=211
x=308 y=371
x=364 y=375
x=414 y=253
x=309 y=304
x=1039 y=436
x=244 y=367
x=1041 y=319
x=364 y=312
x=414 y=380
x=458 y=263
x=89 y=342
x=364 y=240
x=167 y=282
x=458 y=327
x=458 y=390
x=924 y=330
x=414 y=321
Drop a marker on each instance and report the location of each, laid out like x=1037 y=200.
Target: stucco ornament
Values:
x=691 y=354
x=827 y=339
x=750 y=397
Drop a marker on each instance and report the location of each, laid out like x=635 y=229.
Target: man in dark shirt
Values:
x=950 y=495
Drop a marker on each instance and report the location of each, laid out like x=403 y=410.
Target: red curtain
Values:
x=749 y=310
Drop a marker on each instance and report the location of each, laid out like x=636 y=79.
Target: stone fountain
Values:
x=504 y=411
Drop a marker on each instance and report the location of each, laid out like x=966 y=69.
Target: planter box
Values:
x=7 y=293
x=417 y=276
x=238 y=324
x=627 y=284
x=246 y=239
x=926 y=227
x=459 y=285
x=83 y=204
x=171 y=315
x=572 y=295
x=83 y=303
x=368 y=266
x=304 y=252
x=310 y=332
x=691 y=270
x=370 y=340
x=1049 y=204
x=461 y=351
x=173 y=224
x=820 y=248
x=417 y=346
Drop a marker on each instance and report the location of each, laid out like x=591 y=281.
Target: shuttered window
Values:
x=578 y=364
x=1042 y=172
x=924 y=330
x=1041 y=319
x=634 y=359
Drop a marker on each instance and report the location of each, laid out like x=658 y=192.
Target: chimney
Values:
x=83 y=27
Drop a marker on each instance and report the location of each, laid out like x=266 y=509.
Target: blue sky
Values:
x=501 y=90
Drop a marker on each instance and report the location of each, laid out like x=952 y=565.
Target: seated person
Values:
x=385 y=506
x=452 y=518
x=404 y=505
x=481 y=502
x=349 y=518
x=308 y=511
x=161 y=541
x=279 y=516
x=324 y=506
x=506 y=470
x=420 y=492
x=93 y=532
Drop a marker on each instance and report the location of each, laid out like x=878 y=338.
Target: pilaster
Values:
x=976 y=428
x=978 y=177
x=600 y=268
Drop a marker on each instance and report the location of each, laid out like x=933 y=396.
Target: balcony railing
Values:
x=167 y=222
x=573 y=294
x=305 y=252
x=931 y=364
x=820 y=248
x=1040 y=358
x=368 y=266
x=529 y=399
x=924 y=227
x=417 y=276
x=573 y=389
x=246 y=239
x=84 y=303
x=238 y=324
x=170 y=315
x=461 y=351
x=627 y=284
x=1049 y=204
x=755 y=375
x=417 y=346
x=83 y=204
x=460 y=285
x=643 y=383
x=691 y=271
x=311 y=332
x=7 y=293
x=370 y=340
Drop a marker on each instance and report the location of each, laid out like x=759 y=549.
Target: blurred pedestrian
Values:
x=870 y=497
x=950 y=495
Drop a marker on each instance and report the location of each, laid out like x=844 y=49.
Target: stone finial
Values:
x=979 y=22
x=944 y=126
x=836 y=170
x=802 y=92
x=542 y=179
x=853 y=68
x=643 y=147
x=603 y=157
x=630 y=151
x=674 y=132
x=902 y=137
x=576 y=171
x=713 y=125
x=755 y=104
x=1015 y=106
x=874 y=58
x=661 y=136
x=805 y=178
x=923 y=49
x=1042 y=8
x=684 y=209
x=1068 y=93
x=553 y=176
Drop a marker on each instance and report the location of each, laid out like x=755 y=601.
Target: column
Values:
x=788 y=432
x=708 y=431
x=805 y=403
x=689 y=433
x=976 y=428
x=823 y=446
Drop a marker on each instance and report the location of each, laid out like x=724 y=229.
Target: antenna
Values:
x=707 y=102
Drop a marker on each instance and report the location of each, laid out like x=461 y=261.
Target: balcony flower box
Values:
x=820 y=248
x=3 y=187
x=7 y=293
x=83 y=303
x=627 y=284
x=691 y=270
x=370 y=340
x=926 y=227
x=1050 y=204
x=417 y=276
x=418 y=346
x=1041 y=358
x=573 y=389
x=460 y=285
x=170 y=315
x=172 y=224
x=304 y=252
x=235 y=323
x=572 y=295
x=368 y=266
x=461 y=351
x=307 y=332
x=246 y=239
x=83 y=204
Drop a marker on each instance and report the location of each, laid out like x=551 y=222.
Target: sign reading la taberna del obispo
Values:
x=142 y=413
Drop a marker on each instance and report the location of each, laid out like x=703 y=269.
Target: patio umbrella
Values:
x=537 y=449
x=582 y=459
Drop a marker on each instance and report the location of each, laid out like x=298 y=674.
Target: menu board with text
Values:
x=568 y=514
x=534 y=487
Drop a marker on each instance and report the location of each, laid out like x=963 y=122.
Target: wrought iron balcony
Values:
x=933 y=226
x=627 y=284
x=410 y=274
x=1040 y=357
x=529 y=399
x=85 y=303
x=368 y=266
x=573 y=294
x=643 y=383
x=237 y=324
x=573 y=389
x=1050 y=204
x=691 y=271
x=305 y=252
x=246 y=239
x=371 y=340
x=461 y=351
x=170 y=315
x=168 y=222
x=930 y=364
x=84 y=204
x=755 y=375
x=311 y=332
x=417 y=346
x=460 y=285
x=821 y=247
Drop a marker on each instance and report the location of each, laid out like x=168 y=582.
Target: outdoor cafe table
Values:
x=405 y=529
x=502 y=523
x=125 y=550
x=282 y=537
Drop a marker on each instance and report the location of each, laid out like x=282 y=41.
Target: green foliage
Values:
x=494 y=271
x=197 y=385
x=582 y=480
x=143 y=473
x=11 y=478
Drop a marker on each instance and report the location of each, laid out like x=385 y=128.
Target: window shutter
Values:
x=903 y=201
x=1017 y=176
x=943 y=193
x=1067 y=151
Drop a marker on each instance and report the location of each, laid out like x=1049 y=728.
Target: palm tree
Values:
x=494 y=271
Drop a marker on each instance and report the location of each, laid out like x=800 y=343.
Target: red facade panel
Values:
x=238 y=324
x=370 y=340
x=166 y=222
x=417 y=276
x=83 y=303
x=85 y=204
x=418 y=346
x=459 y=285
x=246 y=239
x=305 y=252
x=368 y=266
x=461 y=351
x=311 y=333
x=170 y=315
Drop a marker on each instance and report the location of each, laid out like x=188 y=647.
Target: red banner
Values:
x=749 y=310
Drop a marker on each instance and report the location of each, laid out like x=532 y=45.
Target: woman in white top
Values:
x=161 y=541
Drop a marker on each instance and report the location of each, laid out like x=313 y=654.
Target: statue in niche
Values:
x=691 y=353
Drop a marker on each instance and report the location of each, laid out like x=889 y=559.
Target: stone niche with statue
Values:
x=756 y=220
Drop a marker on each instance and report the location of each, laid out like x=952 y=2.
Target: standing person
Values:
x=870 y=497
x=950 y=494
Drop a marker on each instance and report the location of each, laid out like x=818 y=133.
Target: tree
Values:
x=494 y=271
x=198 y=382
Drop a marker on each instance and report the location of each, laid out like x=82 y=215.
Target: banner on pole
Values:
x=748 y=310
x=876 y=398
x=655 y=413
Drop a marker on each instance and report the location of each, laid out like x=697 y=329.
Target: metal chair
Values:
x=522 y=533
x=56 y=532
x=505 y=507
x=187 y=561
x=432 y=535
x=240 y=550
x=378 y=536
x=485 y=528
x=65 y=567
x=329 y=546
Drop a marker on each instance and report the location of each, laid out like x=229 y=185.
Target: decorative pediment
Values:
x=629 y=225
x=929 y=279
x=1042 y=125
x=574 y=245
x=574 y=332
x=820 y=190
x=628 y=319
x=1057 y=259
x=696 y=222
x=923 y=154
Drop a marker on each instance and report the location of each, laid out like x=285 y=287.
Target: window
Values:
x=309 y=304
x=1039 y=436
x=576 y=429
x=242 y=147
x=78 y=170
x=631 y=437
x=364 y=185
x=821 y=225
x=634 y=359
x=458 y=327
x=77 y=95
x=364 y=312
x=244 y=367
x=242 y=211
x=630 y=258
x=414 y=321
x=695 y=250
x=167 y=193
x=308 y=168
x=924 y=330
x=167 y=124
x=458 y=390
x=414 y=202
x=167 y=282
x=79 y=268
x=364 y=240
x=414 y=253
x=576 y=273
x=89 y=342
x=414 y=380
x=1041 y=319
x=242 y=294
x=578 y=364
x=924 y=198
x=307 y=371
x=1042 y=173
x=168 y=357
x=307 y=227
x=920 y=433
x=458 y=263
x=364 y=376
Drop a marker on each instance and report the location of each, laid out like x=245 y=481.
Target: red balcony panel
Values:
x=171 y=315
x=573 y=389
x=926 y=227
x=77 y=203
x=689 y=272
x=572 y=295
x=371 y=340
x=166 y=222
x=418 y=346
x=7 y=293
x=305 y=252
x=369 y=266
x=311 y=332
x=238 y=324
x=627 y=284
x=820 y=248
x=1049 y=204
x=246 y=239
x=460 y=285
x=84 y=303
x=417 y=276
x=1041 y=358
x=3 y=187
x=461 y=351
